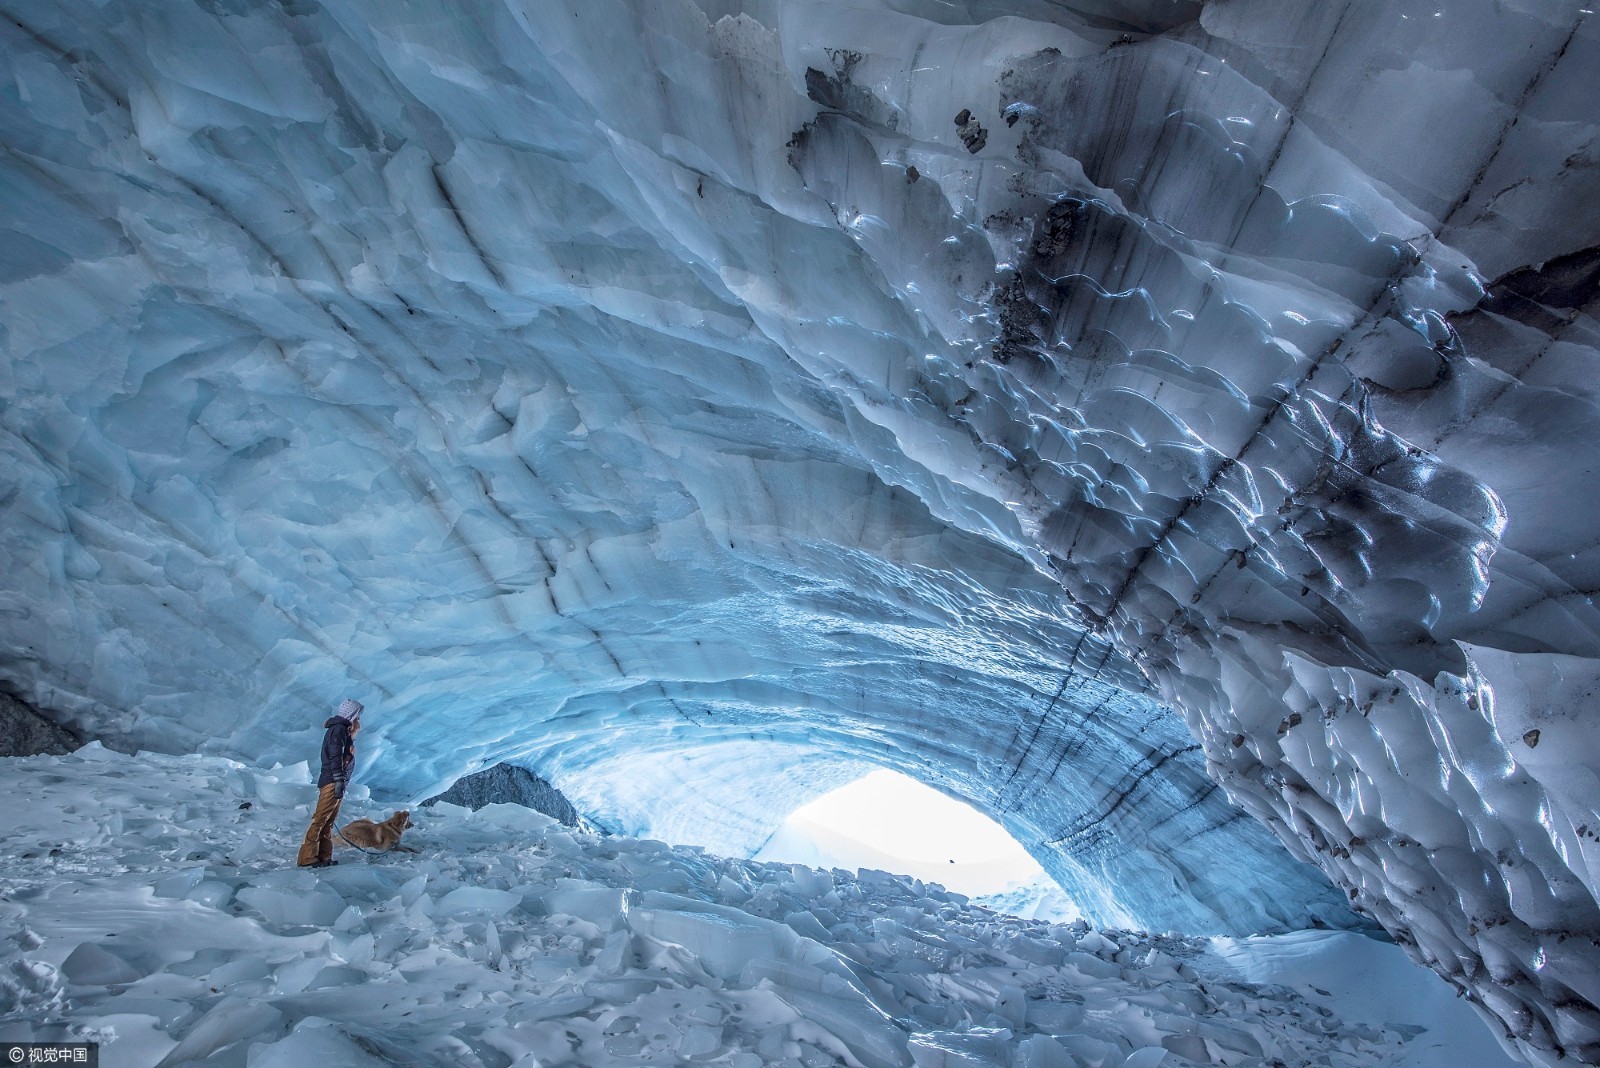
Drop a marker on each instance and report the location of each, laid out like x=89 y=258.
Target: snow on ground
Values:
x=151 y=903
x=1037 y=899
x=891 y=822
x=1363 y=978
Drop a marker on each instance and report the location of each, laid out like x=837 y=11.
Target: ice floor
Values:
x=149 y=902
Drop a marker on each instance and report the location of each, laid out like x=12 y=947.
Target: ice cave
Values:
x=1162 y=425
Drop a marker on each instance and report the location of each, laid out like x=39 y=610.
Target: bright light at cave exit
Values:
x=888 y=821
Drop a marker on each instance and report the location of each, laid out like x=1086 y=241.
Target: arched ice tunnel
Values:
x=1168 y=427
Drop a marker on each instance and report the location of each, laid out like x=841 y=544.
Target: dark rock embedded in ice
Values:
x=24 y=731
x=511 y=785
x=973 y=135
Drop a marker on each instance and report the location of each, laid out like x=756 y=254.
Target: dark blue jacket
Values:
x=338 y=755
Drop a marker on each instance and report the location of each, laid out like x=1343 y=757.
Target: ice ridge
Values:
x=152 y=906
x=1166 y=426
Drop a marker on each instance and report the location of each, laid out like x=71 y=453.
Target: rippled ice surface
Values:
x=150 y=903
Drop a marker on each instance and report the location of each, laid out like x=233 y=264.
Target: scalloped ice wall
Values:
x=1119 y=415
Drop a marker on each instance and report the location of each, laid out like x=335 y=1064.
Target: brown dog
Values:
x=379 y=836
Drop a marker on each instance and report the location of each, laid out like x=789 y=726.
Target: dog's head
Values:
x=401 y=819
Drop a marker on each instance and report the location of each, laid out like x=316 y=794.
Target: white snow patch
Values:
x=152 y=905
x=890 y=822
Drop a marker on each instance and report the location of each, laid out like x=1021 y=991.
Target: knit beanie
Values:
x=350 y=710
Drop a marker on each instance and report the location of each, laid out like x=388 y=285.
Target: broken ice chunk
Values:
x=616 y=956
x=1042 y=1051
x=466 y=901
x=179 y=884
x=211 y=893
x=1011 y=1005
x=811 y=882
x=600 y=905
x=1054 y=1016
x=699 y=1040
x=286 y=794
x=251 y=845
x=723 y=941
x=316 y=907
x=858 y=1025
x=314 y=1042
x=91 y=965
x=978 y=1048
x=231 y=1020
x=806 y=924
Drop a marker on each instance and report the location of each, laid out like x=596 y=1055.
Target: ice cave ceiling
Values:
x=1118 y=414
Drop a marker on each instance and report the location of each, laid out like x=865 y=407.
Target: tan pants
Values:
x=318 y=846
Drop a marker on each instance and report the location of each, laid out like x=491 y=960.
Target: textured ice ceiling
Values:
x=1080 y=406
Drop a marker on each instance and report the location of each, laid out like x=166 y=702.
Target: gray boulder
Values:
x=508 y=784
x=24 y=731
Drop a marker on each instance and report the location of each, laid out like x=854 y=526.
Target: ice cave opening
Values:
x=1170 y=426
x=889 y=821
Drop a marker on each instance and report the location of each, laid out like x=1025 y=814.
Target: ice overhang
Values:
x=955 y=390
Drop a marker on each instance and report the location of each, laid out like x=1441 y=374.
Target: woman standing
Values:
x=338 y=757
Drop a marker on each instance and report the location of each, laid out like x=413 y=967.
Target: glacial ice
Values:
x=93 y=965
x=481 y=901
x=1165 y=426
x=745 y=964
